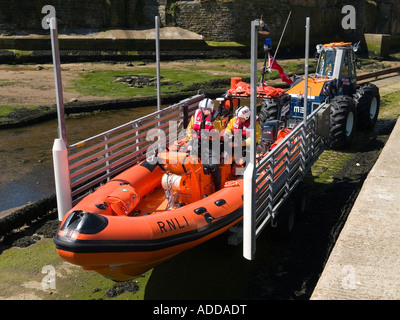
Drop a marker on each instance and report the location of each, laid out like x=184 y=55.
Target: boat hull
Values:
x=122 y=247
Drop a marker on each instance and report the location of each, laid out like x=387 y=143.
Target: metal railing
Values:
x=282 y=169
x=95 y=160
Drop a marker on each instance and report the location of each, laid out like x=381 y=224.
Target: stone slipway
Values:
x=365 y=261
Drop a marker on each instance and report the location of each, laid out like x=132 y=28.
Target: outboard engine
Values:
x=269 y=135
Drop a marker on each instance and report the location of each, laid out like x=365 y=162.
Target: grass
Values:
x=179 y=77
x=176 y=77
x=390 y=108
x=101 y=83
x=6 y=110
x=6 y=83
x=23 y=267
x=331 y=161
x=224 y=44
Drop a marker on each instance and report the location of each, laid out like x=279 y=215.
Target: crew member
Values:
x=206 y=125
x=242 y=122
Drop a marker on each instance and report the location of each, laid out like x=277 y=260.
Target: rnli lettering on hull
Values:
x=173 y=224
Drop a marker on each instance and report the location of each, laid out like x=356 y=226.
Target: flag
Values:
x=275 y=65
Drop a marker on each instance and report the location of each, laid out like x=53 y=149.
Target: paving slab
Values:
x=365 y=261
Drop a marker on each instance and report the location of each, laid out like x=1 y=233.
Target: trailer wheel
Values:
x=286 y=219
x=300 y=197
x=343 y=121
x=368 y=101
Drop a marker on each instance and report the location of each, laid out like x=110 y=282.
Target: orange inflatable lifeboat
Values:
x=147 y=214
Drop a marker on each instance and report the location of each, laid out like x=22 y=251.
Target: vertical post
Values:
x=58 y=81
x=60 y=151
x=306 y=70
x=157 y=22
x=106 y=146
x=249 y=238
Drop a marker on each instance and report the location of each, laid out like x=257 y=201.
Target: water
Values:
x=26 y=171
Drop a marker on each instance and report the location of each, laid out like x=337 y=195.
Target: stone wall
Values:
x=229 y=20
x=218 y=20
x=72 y=14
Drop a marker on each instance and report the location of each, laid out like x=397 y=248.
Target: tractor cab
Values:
x=335 y=77
x=337 y=62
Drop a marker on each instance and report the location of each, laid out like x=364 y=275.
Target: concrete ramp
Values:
x=365 y=262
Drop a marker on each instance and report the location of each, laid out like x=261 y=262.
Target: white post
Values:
x=157 y=22
x=62 y=179
x=249 y=239
x=60 y=151
x=58 y=81
x=306 y=70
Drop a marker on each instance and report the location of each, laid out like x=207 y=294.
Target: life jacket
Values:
x=198 y=119
x=245 y=127
x=237 y=125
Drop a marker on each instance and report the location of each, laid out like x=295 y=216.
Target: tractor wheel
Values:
x=368 y=101
x=269 y=110
x=343 y=121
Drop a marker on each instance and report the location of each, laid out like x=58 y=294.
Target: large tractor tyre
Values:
x=343 y=122
x=269 y=110
x=368 y=102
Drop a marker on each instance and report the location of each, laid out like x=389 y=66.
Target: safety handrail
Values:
x=95 y=160
x=282 y=169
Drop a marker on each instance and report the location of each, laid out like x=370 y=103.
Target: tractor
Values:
x=334 y=83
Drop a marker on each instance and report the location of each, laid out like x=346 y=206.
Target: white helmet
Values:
x=206 y=104
x=243 y=112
